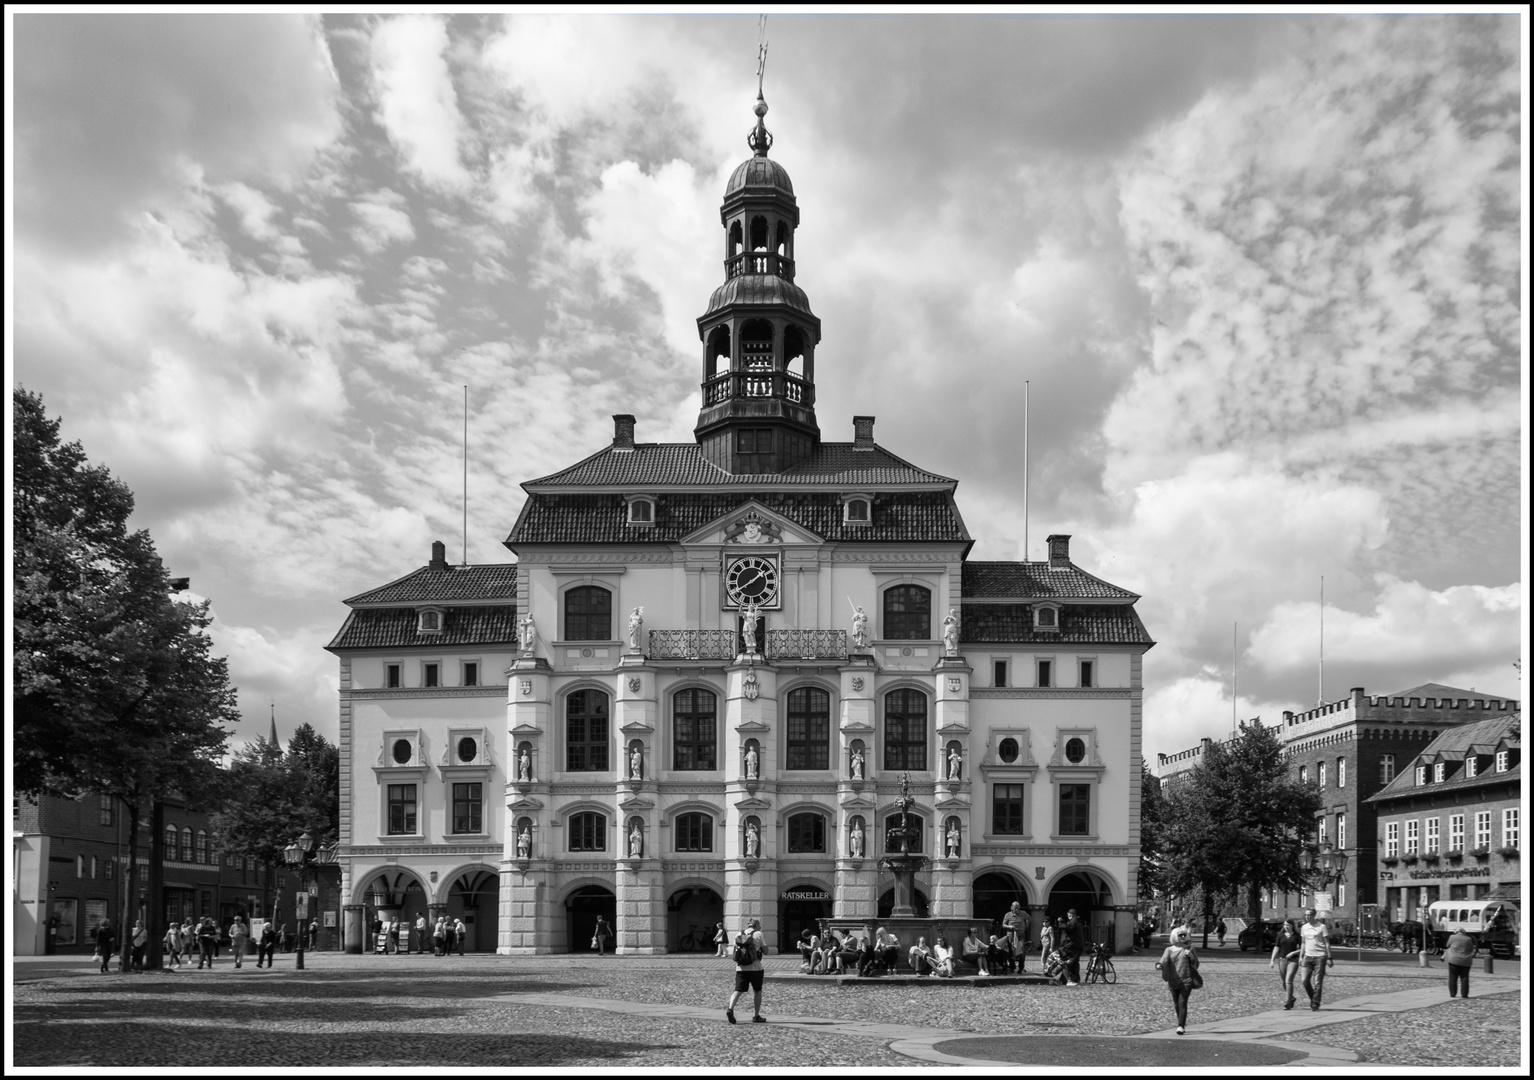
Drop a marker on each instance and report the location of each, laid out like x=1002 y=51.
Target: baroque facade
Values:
x=694 y=696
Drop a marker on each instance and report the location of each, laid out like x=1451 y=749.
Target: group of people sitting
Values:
x=878 y=950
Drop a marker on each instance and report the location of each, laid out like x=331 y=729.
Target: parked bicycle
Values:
x=697 y=937
x=1100 y=965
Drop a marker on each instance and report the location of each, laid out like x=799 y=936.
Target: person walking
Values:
x=314 y=933
x=420 y=932
x=750 y=947
x=106 y=941
x=721 y=941
x=393 y=932
x=239 y=934
x=1073 y=942
x=173 y=946
x=207 y=937
x=1017 y=924
x=439 y=937
x=1219 y=931
x=1286 y=957
x=601 y=935
x=1179 y=967
x=461 y=932
x=1315 y=956
x=1458 y=952
x=266 y=946
x=140 y=940
x=1046 y=941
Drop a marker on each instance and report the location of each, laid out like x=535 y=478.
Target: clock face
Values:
x=751 y=580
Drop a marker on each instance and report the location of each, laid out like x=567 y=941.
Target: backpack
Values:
x=745 y=950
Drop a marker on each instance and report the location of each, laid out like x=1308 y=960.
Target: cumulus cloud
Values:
x=417 y=104
x=384 y=221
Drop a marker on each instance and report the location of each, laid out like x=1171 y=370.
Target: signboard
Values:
x=303 y=906
x=330 y=919
x=1323 y=903
x=806 y=893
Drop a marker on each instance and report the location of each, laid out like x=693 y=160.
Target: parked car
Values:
x=1259 y=936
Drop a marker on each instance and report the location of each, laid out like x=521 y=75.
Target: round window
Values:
x=468 y=749
x=1075 y=750
x=401 y=751
x=1007 y=751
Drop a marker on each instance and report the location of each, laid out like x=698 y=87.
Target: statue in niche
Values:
x=525 y=843
x=955 y=761
x=636 y=841
x=951 y=633
x=751 y=762
x=857 y=838
x=748 y=616
x=636 y=628
x=524 y=766
x=527 y=633
x=859 y=626
x=857 y=763
x=751 y=840
x=636 y=764
x=953 y=839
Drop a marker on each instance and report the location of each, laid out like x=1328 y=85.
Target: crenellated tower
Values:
x=759 y=334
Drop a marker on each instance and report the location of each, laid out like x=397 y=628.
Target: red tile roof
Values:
x=496 y=581
x=1451 y=746
x=1035 y=581
x=382 y=628
x=1100 y=624
x=677 y=465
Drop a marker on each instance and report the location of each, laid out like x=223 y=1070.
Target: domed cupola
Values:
x=759 y=334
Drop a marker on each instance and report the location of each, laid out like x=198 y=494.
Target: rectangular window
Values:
x=999 y=673
x=1510 y=827
x=104 y=813
x=1342 y=896
x=588 y=832
x=1321 y=774
x=588 y=613
x=1342 y=830
x=1045 y=667
x=1075 y=809
x=1387 y=768
x=905 y=731
x=1470 y=766
x=1086 y=673
x=696 y=728
x=1438 y=771
x=1483 y=829
x=586 y=740
x=1321 y=830
x=392 y=676
x=471 y=673
x=1392 y=839
x=1430 y=836
x=468 y=808
x=1411 y=837
x=1342 y=772
x=693 y=832
x=1007 y=809
x=1502 y=761
x=1304 y=774
x=808 y=729
x=1421 y=775
x=401 y=809
x=1457 y=832
x=807 y=832
x=429 y=674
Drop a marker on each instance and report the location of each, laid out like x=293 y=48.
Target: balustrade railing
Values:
x=807 y=644
x=758 y=384
x=759 y=262
x=692 y=644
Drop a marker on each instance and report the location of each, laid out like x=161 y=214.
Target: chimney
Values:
x=623 y=431
x=1059 y=550
x=438 y=555
x=862 y=433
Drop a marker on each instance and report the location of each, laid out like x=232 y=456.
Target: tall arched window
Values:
x=905 y=730
x=586 y=713
x=695 y=730
x=170 y=841
x=186 y=845
x=588 y=832
x=809 y=729
x=908 y=613
x=588 y=614
x=693 y=832
x=202 y=846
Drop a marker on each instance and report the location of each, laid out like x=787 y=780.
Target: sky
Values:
x=1258 y=279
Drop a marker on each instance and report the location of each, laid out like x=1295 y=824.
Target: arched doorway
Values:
x=475 y=897
x=993 y=894
x=391 y=894
x=800 y=908
x=692 y=916
x=1091 y=897
x=918 y=903
x=581 y=910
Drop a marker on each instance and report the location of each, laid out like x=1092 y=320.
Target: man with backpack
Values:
x=749 y=949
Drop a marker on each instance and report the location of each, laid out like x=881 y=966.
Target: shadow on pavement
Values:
x=1077 y=1050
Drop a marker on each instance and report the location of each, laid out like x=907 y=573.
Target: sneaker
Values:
x=1315 y=1006
x=758 y=1019
x=729 y=1014
x=1289 y=1004
x=1179 y=1031
x=1072 y=984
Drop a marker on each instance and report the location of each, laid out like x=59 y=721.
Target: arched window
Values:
x=807 y=832
x=735 y=238
x=693 y=832
x=718 y=349
x=586 y=713
x=908 y=613
x=905 y=730
x=913 y=840
x=809 y=729
x=758 y=233
x=202 y=846
x=186 y=845
x=171 y=835
x=783 y=238
x=588 y=614
x=756 y=349
x=588 y=832
x=695 y=730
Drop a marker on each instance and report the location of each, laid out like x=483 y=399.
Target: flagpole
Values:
x=1025 y=470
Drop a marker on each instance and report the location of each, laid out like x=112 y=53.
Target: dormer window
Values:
x=857 y=510
x=1502 y=765
x=641 y=510
x=1470 y=767
x=429 y=620
x=1421 y=775
x=1046 y=617
x=1438 y=773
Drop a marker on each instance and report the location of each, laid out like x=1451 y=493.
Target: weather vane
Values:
x=761 y=52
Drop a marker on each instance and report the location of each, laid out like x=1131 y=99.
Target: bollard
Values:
x=1422 y=958
x=1486 y=963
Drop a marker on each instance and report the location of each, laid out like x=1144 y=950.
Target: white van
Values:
x=1493 y=923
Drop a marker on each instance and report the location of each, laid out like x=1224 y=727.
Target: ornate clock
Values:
x=751 y=579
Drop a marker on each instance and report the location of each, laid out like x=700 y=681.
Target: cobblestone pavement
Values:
x=420 y=1011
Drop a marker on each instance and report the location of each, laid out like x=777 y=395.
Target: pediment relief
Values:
x=634 y=804
x=752 y=525
x=749 y=804
x=524 y=803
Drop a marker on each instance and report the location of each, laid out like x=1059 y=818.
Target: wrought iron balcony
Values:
x=726 y=644
x=807 y=644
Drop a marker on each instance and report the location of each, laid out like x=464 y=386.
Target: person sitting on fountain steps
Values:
x=750 y=946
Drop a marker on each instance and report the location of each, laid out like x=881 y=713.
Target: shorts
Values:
x=749 y=980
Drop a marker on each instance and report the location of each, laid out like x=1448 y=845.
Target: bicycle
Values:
x=690 y=942
x=1054 y=968
x=1100 y=966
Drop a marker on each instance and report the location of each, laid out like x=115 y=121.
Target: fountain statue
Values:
x=900 y=862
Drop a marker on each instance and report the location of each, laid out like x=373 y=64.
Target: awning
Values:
x=1508 y=890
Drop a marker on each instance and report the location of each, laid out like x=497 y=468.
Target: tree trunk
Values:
x=1208 y=913
x=154 y=916
x=1254 y=903
x=268 y=881
x=130 y=907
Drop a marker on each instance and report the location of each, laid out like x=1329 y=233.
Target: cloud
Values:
x=417 y=105
x=384 y=220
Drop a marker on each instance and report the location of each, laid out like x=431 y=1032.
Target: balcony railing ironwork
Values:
x=725 y=644
x=807 y=644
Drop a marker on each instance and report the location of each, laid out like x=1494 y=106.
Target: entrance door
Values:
x=799 y=910
x=993 y=895
x=1081 y=892
x=692 y=917
x=476 y=899
x=582 y=909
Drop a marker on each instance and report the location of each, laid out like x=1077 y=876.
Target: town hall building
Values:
x=693 y=697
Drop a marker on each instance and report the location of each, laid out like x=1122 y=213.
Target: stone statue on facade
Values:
x=953 y=840
x=748 y=616
x=751 y=762
x=636 y=842
x=857 y=763
x=636 y=628
x=524 y=843
x=859 y=626
x=751 y=839
x=951 y=633
x=955 y=762
x=527 y=633
x=857 y=839
x=524 y=766
x=636 y=764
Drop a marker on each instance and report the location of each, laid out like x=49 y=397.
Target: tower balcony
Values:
x=759 y=262
x=759 y=384
x=726 y=644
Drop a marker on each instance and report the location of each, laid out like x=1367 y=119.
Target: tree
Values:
x=114 y=685
x=1152 y=839
x=1239 y=821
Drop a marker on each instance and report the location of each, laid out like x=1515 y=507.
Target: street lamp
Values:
x=1329 y=865
x=297 y=854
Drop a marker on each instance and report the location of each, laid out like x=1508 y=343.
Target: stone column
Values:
x=353 y=928
x=641 y=925
x=522 y=926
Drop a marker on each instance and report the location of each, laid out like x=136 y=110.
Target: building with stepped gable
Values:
x=693 y=697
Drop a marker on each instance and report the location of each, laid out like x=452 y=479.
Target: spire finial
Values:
x=760 y=139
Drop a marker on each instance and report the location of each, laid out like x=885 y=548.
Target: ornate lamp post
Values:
x=1329 y=865
x=297 y=856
